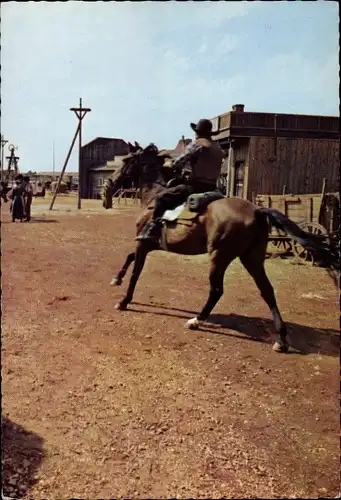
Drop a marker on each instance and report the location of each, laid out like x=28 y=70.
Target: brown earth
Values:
x=103 y=404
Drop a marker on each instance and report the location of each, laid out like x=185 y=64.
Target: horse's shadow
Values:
x=44 y=221
x=303 y=339
x=21 y=451
x=34 y=220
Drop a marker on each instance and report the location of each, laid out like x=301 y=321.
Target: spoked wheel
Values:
x=282 y=245
x=279 y=244
x=302 y=253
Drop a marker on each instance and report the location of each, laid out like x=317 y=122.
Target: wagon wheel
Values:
x=282 y=245
x=302 y=253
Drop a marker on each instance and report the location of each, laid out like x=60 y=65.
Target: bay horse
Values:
x=228 y=228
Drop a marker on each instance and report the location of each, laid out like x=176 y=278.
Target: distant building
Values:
x=99 y=174
x=95 y=154
x=46 y=177
x=174 y=153
x=270 y=152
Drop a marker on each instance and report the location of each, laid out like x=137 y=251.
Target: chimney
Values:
x=239 y=108
x=181 y=144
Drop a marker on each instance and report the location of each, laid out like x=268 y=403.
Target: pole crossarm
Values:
x=80 y=112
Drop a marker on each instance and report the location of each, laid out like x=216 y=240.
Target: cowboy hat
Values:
x=203 y=128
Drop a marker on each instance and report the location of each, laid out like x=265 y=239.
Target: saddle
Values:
x=194 y=206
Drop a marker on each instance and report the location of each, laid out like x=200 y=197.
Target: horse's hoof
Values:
x=277 y=347
x=192 y=324
x=116 y=282
x=121 y=306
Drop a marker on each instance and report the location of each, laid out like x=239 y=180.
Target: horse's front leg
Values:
x=117 y=280
x=140 y=258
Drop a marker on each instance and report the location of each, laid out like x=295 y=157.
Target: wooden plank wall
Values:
x=302 y=208
x=300 y=164
x=98 y=153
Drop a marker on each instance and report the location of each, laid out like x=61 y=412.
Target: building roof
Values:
x=110 y=165
x=104 y=140
x=174 y=153
x=51 y=173
x=240 y=123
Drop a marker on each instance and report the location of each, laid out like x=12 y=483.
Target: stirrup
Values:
x=147 y=237
x=151 y=232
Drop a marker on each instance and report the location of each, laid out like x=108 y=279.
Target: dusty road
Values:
x=102 y=404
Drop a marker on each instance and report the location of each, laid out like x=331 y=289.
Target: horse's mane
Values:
x=120 y=169
x=116 y=175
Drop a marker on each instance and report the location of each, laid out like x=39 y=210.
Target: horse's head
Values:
x=142 y=166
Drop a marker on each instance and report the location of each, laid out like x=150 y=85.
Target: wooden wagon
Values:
x=315 y=213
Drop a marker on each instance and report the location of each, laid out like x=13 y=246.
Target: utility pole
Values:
x=53 y=160
x=80 y=112
x=3 y=143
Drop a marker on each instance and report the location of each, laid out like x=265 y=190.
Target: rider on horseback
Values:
x=203 y=159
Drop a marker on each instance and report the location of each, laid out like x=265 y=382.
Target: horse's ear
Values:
x=137 y=146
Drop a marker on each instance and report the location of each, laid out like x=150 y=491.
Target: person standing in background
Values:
x=17 y=197
x=28 y=196
x=107 y=194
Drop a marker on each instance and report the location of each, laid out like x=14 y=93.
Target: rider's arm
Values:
x=187 y=156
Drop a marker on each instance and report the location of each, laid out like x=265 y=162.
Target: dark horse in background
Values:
x=226 y=229
x=4 y=190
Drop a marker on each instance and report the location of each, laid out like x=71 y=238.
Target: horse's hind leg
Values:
x=217 y=272
x=254 y=264
x=117 y=280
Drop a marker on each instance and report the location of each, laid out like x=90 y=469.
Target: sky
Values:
x=148 y=69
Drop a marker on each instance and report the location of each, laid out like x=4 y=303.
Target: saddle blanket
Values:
x=172 y=215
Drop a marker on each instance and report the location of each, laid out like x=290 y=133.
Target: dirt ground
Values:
x=100 y=404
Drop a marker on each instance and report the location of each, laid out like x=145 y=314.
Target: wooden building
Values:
x=179 y=148
x=268 y=153
x=96 y=153
x=99 y=174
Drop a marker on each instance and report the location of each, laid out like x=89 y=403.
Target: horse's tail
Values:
x=320 y=249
